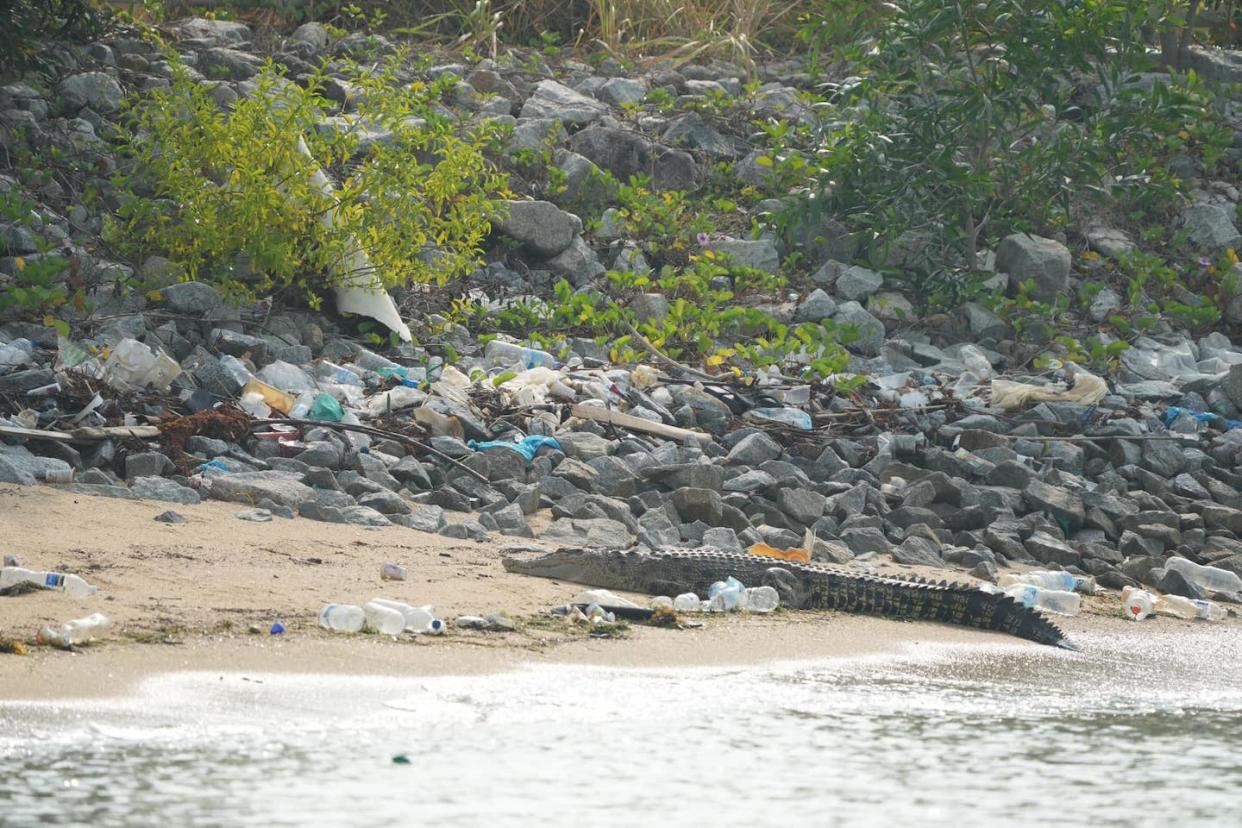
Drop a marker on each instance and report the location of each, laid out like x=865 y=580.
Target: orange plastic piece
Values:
x=796 y=554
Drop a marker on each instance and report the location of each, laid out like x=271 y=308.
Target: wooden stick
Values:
x=626 y=421
x=86 y=434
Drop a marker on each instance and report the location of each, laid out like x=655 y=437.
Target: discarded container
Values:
x=1191 y=609
x=133 y=364
x=508 y=353
x=687 y=602
x=252 y=403
x=75 y=632
x=1210 y=578
x=71 y=585
x=761 y=599
x=726 y=595
x=417 y=619
x=1047 y=579
x=395 y=399
x=1052 y=600
x=392 y=572
x=1137 y=603
x=64 y=475
x=330 y=372
x=785 y=416
x=273 y=397
x=235 y=368
x=382 y=619
x=342 y=618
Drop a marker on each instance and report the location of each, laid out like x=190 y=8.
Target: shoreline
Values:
x=183 y=597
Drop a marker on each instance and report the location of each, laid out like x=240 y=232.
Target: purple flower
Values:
x=1204 y=261
x=702 y=239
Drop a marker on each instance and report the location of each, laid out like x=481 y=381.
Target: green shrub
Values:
x=24 y=24
x=231 y=198
x=972 y=120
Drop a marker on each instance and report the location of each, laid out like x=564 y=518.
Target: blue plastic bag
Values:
x=527 y=447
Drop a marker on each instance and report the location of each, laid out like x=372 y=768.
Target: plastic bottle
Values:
x=235 y=368
x=687 y=602
x=787 y=416
x=417 y=619
x=1047 y=579
x=761 y=599
x=342 y=618
x=75 y=632
x=372 y=361
x=384 y=619
x=392 y=572
x=1191 y=609
x=1210 y=578
x=71 y=585
x=1137 y=603
x=509 y=353
x=1052 y=600
x=330 y=372
x=726 y=595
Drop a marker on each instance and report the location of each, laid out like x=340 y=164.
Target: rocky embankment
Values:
x=920 y=465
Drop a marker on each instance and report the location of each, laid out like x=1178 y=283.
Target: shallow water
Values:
x=963 y=735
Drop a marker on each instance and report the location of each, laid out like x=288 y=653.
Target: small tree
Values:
x=232 y=196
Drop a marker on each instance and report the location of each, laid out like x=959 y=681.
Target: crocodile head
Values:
x=596 y=567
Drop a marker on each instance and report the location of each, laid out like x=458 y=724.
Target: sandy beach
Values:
x=202 y=596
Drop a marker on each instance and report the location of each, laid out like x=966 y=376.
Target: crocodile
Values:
x=671 y=571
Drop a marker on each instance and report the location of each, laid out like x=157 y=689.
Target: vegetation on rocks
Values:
x=237 y=198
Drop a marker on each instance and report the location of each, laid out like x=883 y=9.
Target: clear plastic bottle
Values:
x=1048 y=579
x=509 y=353
x=71 y=585
x=1210 y=578
x=687 y=602
x=342 y=618
x=330 y=372
x=786 y=416
x=75 y=632
x=417 y=619
x=1137 y=603
x=385 y=620
x=761 y=599
x=1052 y=600
x=1192 y=609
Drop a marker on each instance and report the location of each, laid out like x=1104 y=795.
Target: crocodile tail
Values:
x=1015 y=618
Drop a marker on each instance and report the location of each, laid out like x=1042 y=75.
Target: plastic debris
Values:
x=1088 y=389
x=528 y=446
x=392 y=572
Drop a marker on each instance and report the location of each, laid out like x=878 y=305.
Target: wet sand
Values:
x=186 y=597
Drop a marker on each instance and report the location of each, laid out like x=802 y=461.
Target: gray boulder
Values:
x=97 y=90
x=555 y=100
x=1045 y=262
x=540 y=226
x=624 y=153
x=1212 y=227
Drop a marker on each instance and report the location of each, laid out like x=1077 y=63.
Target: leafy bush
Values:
x=232 y=198
x=973 y=120
x=25 y=23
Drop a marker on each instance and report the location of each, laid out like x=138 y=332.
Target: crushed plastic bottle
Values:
x=1210 y=578
x=75 y=632
x=392 y=572
x=71 y=585
x=132 y=364
x=1048 y=579
x=382 y=619
x=794 y=417
x=1052 y=600
x=342 y=618
x=508 y=353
